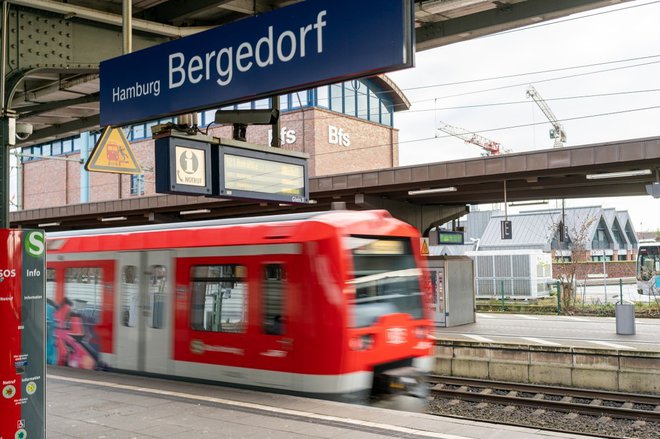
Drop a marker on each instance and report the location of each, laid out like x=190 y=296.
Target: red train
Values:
x=331 y=304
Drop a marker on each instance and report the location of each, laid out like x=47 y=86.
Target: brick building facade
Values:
x=342 y=128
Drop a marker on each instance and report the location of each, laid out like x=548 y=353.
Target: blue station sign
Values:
x=297 y=47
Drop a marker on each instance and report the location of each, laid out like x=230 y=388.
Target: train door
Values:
x=144 y=305
x=273 y=347
x=80 y=312
x=127 y=303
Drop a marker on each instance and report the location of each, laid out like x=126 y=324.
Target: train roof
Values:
x=323 y=216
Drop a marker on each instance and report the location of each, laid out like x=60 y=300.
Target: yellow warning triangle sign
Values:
x=112 y=153
x=424 y=246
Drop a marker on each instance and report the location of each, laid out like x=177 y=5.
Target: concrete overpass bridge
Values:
x=424 y=195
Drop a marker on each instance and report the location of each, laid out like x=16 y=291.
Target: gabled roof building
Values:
x=593 y=229
x=603 y=241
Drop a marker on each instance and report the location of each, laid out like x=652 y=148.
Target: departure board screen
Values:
x=250 y=174
x=447 y=237
x=237 y=170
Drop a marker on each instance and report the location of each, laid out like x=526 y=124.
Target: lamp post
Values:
x=604 y=277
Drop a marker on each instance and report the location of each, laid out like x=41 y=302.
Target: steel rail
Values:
x=639 y=398
x=626 y=410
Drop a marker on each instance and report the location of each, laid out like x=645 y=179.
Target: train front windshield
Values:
x=648 y=262
x=386 y=279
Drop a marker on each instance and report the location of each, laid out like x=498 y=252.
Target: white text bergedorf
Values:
x=219 y=65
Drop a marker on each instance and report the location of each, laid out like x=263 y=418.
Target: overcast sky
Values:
x=620 y=43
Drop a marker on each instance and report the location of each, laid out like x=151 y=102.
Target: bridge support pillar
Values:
x=423 y=217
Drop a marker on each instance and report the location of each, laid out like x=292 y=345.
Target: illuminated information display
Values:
x=200 y=166
x=447 y=237
x=260 y=174
x=257 y=175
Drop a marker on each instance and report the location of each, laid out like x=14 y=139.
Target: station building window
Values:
x=35 y=151
x=599 y=258
x=68 y=145
x=618 y=236
x=374 y=107
x=298 y=100
x=284 y=102
x=137 y=185
x=262 y=104
x=138 y=132
x=323 y=97
x=349 y=101
x=362 y=95
x=207 y=117
x=385 y=115
x=337 y=98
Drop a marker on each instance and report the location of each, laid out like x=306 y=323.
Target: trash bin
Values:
x=625 y=318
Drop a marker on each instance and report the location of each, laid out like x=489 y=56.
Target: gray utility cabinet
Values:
x=452 y=283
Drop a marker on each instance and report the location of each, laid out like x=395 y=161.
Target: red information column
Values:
x=22 y=334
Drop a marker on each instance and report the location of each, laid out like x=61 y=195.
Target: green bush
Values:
x=549 y=306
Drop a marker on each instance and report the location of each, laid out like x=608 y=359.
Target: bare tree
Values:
x=575 y=238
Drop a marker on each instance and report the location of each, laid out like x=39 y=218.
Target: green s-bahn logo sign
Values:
x=35 y=243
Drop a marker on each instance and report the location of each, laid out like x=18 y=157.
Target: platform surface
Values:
x=103 y=405
x=567 y=331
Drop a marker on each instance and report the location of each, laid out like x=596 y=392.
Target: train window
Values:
x=157 y=285
x=50 y=284
x=130 y=298
x=386 y=278
x=219 y=298
x=272 y=299
x=83 y=288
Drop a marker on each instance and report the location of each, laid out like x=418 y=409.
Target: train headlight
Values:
x=362 y=342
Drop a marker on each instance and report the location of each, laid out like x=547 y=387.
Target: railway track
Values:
x=562 y=399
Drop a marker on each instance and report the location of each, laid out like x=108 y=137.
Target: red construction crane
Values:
x=491 y=147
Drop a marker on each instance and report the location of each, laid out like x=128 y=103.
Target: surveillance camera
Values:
x=23 y=130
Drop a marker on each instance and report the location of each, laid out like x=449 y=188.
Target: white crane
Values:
x=557 y=132
x=491 y=147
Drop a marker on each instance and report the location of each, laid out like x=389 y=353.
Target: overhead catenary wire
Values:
x=538 y=81
x=467 y=93
x=537 y=72
x=497 y=104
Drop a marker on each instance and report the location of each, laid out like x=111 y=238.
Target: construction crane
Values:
x=557 y=132
x=491 y=147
